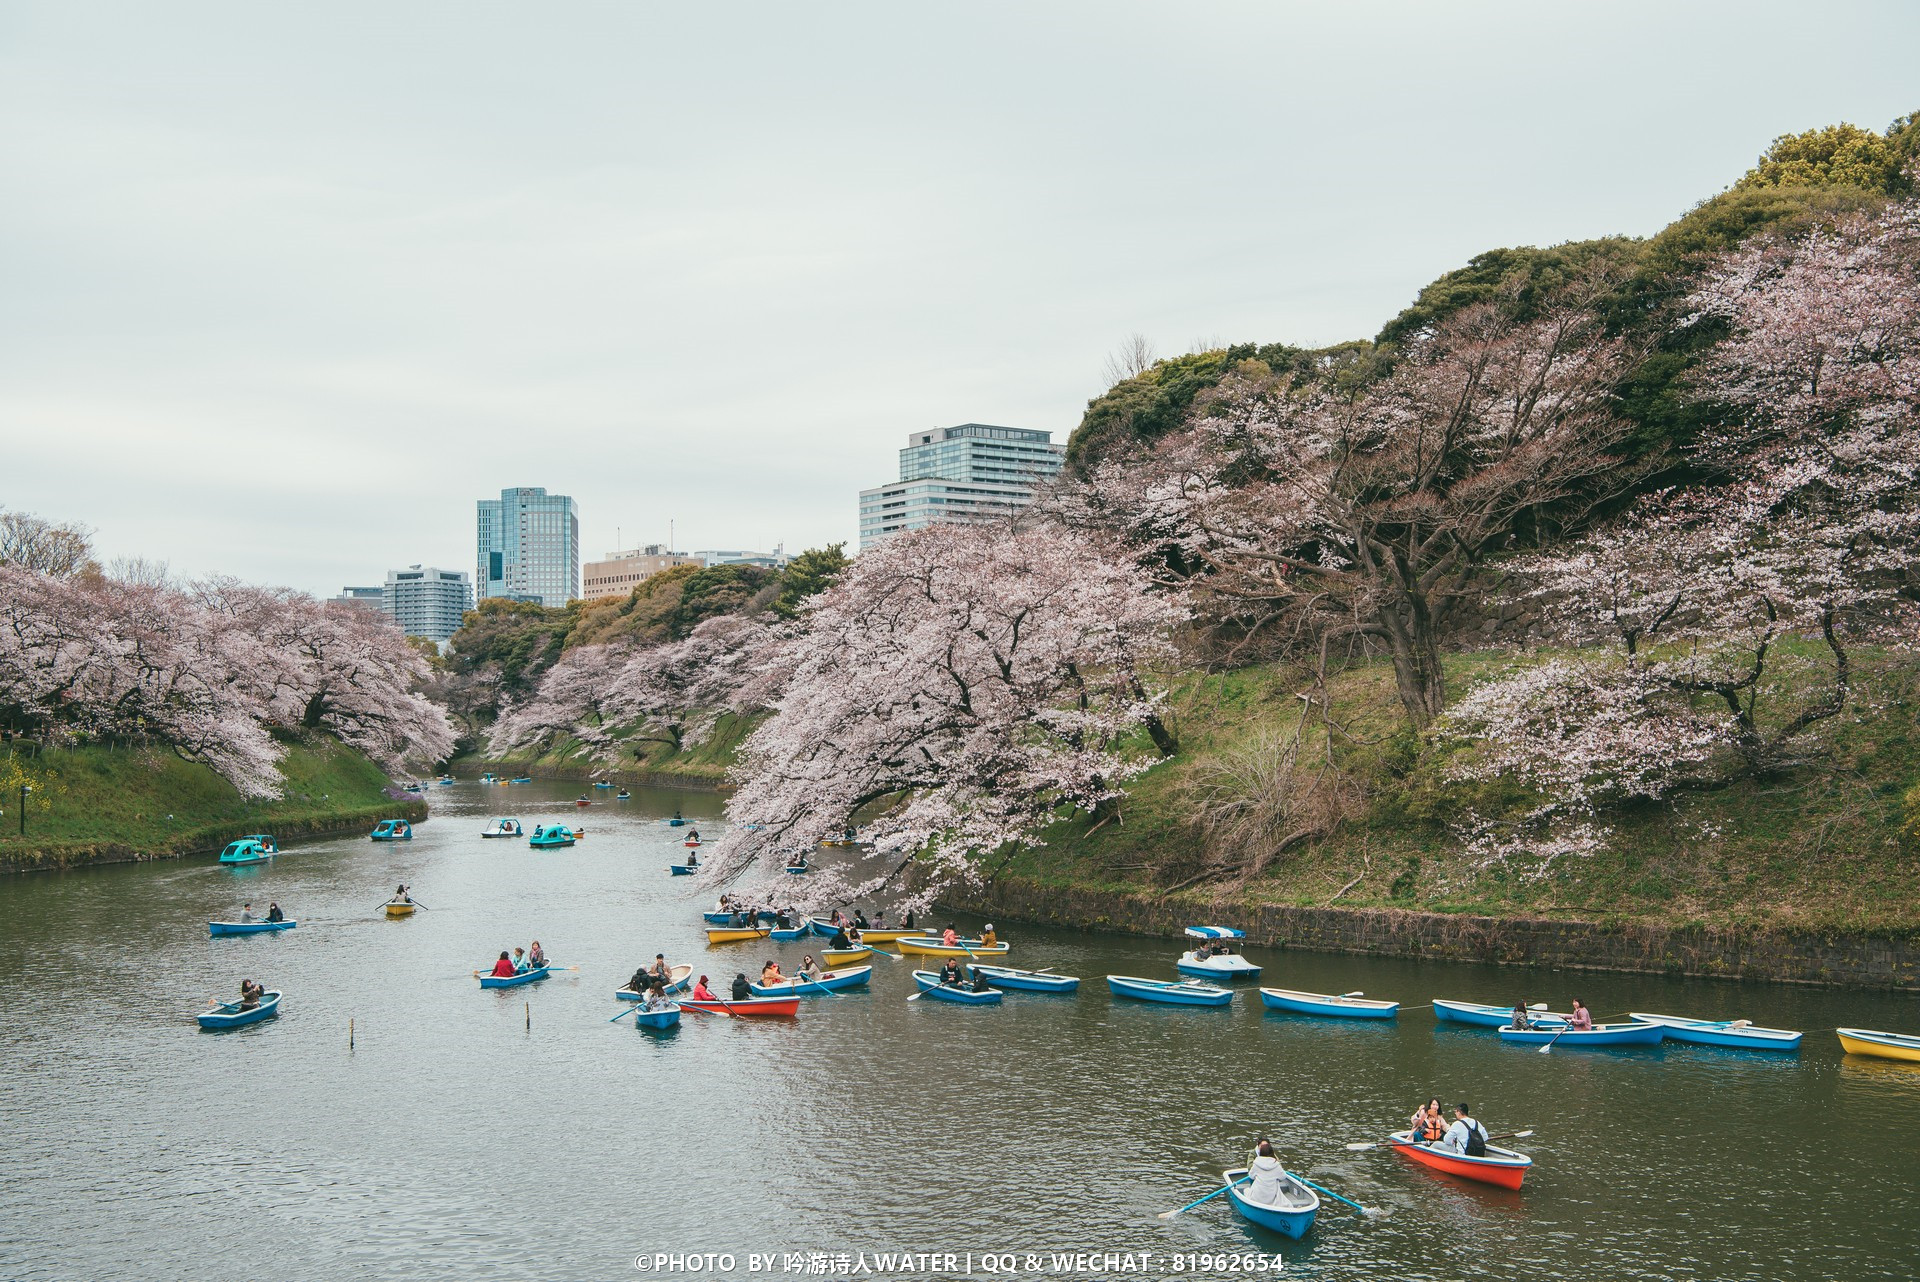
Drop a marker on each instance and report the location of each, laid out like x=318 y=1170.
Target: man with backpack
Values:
x=1465 y=1136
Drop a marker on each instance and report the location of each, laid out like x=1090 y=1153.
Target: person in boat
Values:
x=1582 y=1019
x=520 y=966
x=879 y=920
x=701 y=993
x=400 y=895
x=838 y=919
x=274 y=913
x=979 y=980
x=841 y=939
x=855 y=939
x=583 y=797
x=246 y=913
x=660 y=972
x=808 y=967
x=908 y=923
x=693 y=834
x=693 y=859
x=770 y=974
x=859 y=919
x=783 y=919
x=950 y=937
x=741 y=989
x=1427 y=1124
x=536 y=956
x=987 y=936
x=1522 y=1018
x=950 y=976
x=657 y=998
x=1465 y=1136
x=503 y=969
x=1267 y=1176
x=640 y=981
x=250 y=994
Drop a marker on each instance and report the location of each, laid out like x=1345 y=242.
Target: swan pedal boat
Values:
x=1501 y=1166
x=401 y=910
x=929 y=946
x=1172 y=992
x=1031 y=981
x=514 y=981
x=1223 y=966
x=1722 y=1032
x=680 y=974
x=748 y=1006
x=1637 y=1033
x=1869 y=1041
x=229 y=1014
x=664 y=1018
x=827 y=981
x=215 y=929
x=1481 y=1015
x=931 y=986
x=1292 y=1214
x=1338 y=1005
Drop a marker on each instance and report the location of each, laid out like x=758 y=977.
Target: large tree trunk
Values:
x=1413 y=641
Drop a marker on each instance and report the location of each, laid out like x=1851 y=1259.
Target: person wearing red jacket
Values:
x=503 y=969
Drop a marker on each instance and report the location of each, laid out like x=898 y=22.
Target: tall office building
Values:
x=972 y=472
x=529 y=547
x=427 y=602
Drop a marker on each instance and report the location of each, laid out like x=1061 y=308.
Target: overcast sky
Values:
x=287 y=287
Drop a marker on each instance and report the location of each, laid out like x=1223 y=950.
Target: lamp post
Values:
x=25 y=788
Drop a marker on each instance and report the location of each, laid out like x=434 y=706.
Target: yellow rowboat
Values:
x=832 y=957
x=735 y=936
x=1866 y=1041
x=930 y=946
x=400 y=910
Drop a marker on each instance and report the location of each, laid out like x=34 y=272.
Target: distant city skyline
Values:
x=288 y=288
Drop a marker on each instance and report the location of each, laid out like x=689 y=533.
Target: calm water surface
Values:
x=453 y=1141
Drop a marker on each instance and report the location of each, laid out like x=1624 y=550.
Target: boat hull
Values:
x=1241 y=969
x=1028 y=981
x=738 y=934
x=1870 y=1041
x=513 y=981
x=1328 y=1004
x=1600 y=1035
x=1293 y=1218
x=400 y=910
x=1710 y=1032
x=679 y=977
x=826 y=983
x=657 y=1019
x=753 y=1007
x=682 y=870
x=231 y=1016
x=215 y=929
x=827 y=931
x=927 y=946
x=831 y=957
x=1167 y=992
x=1483 y=1016
x=1501 y=1166
x=930 y=986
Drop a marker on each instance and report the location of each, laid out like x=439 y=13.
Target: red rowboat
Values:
x=751 y=1006
x=1500 y=1166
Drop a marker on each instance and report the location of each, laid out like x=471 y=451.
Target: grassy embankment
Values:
x=1815 y=849
x=640 y=761
x=108 y=804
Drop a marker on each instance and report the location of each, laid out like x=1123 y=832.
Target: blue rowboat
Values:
x=1736 y=1033
x=675 y=822
x=741 y=919
x=788 y=934
x=1031 y=981
x=623 y=795
x=392 y=830
x=1483 y=1016
x=678 y=983
x=687 y=870
x=245 y=851
x=215 y=929
x=798 y=870
x=1293 y=1212
x=1341 y=1005
x=931 y=986
x=1215 y=932
x=602 y=785
x=1634 y=1034
x=1181 y=993
x=831 y=981
x=657 y=1019
x=523 y=779
x=231 y=1016
x=513 y=981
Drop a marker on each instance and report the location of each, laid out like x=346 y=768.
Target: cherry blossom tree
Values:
x=973 y=683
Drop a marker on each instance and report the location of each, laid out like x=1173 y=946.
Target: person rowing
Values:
x=1465 y=1136
x=246 y=913
x=950 y=976
x=1268 y=1176
x=950 y=937
x=1581 y=1021
x=1427 y=1124
x=693 y=859
x=701 y=993
x=660 y=972
x=841 y=939
x=400 y=895
x=770 y=974
x=503 y=969
x=250 y=994
x=1522 y=1018
x=807 y=967
x=855 y=938
x=783 y=919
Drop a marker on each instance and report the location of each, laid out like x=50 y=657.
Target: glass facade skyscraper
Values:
x=529 y=547
x=972 y=472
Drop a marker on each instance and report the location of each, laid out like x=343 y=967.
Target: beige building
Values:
x=620 y=572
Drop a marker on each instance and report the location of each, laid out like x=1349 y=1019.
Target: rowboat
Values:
x=1867 y=1041
x=787 y=934
x=930 y=946
x=843 y=956
x=217 y=928
x=1720 y=1032
x=751 y=1006
x=737 y=934
x=601 y=784
x=666 y=1017
x=679 y=976
x=675 y=822
x=514 y=981
x=502 y=828
x=1292 y=1213
x=400 y=910
x=245 y=851
x=522 y=779
x=1500 y=1166
x=734 y=919
x=1031 y=981
x=1483 y=1016
x=1340 y=1005
x=1222 y=966
x=582 y=801
x=230 y=1015
x=827 y=930
x=392 y=830
x=691 y=844
x=685 y=870
x=1175 y=992
x=623 y=795
x=931 y=986
x=798 y=870
x=828 y=981
x=1634 y=1034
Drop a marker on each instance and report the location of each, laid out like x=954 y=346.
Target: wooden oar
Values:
x=1168 y=1215
x=1506 y=1135
x=631 y=1008
x=1369 y=1211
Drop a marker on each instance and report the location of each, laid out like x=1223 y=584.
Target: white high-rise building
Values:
x=425 y=601
x=972 y=472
